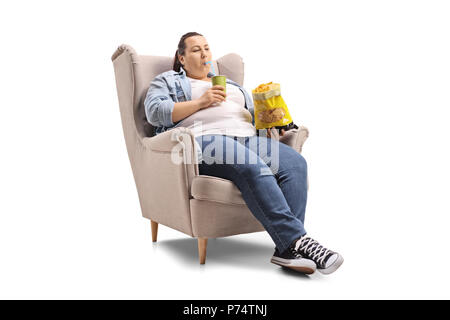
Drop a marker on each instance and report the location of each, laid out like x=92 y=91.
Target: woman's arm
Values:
x=183 y=110
x=161 y=110
x=158 y=103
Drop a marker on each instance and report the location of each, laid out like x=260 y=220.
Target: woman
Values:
x=274 y=188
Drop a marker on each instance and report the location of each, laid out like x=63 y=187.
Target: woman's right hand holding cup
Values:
x=211 y=96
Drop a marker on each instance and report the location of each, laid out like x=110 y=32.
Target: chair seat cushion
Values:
x=216 y=189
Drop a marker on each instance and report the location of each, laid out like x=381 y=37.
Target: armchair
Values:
x=170 y=193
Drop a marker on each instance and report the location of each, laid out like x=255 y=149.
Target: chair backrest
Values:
x=134 y=74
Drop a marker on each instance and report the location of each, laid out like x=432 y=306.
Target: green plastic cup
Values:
x=221 y=81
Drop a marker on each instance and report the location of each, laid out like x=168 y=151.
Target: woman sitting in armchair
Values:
x=273 y=187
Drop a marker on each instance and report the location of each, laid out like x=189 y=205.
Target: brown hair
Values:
x=181 y=47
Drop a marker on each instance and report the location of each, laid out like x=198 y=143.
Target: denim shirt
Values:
x=170 y=87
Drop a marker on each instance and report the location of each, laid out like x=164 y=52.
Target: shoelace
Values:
x=312 y=249
x=296 y=253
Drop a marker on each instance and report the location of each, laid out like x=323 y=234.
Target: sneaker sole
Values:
x=333 y=267
x=285 y=263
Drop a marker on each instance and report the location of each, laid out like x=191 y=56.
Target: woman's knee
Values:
x=302 y=161
x=289 y=158
x=298 y=165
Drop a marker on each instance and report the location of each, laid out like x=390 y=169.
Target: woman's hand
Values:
x=211 y=96
x=269 y=135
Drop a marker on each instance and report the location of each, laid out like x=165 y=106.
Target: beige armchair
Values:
x=172 y=194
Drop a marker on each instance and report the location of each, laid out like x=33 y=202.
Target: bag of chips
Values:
x=270 y=108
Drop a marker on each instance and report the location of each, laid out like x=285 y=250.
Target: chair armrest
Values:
x=295 y=138
x=178 y=142
x=170 y=141
x=172 y=158
x=166 y=164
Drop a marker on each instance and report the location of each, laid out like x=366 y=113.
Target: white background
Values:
x=370 y=79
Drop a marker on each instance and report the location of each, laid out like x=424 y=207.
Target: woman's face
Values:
x=195 y=55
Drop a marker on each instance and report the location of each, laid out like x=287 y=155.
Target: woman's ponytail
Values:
x=176 y=64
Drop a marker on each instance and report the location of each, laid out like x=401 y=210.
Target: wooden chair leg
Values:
x=154 y=230
x=202 y=244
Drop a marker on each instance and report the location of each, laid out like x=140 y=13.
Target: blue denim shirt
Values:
x=170 y=87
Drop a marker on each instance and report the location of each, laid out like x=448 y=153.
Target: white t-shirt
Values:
x=229 y=117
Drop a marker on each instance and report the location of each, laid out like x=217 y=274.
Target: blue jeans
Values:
x=271 y=176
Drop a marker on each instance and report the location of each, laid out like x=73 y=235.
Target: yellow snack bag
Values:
x=270 y=108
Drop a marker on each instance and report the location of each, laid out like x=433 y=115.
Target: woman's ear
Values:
x=181 y=59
